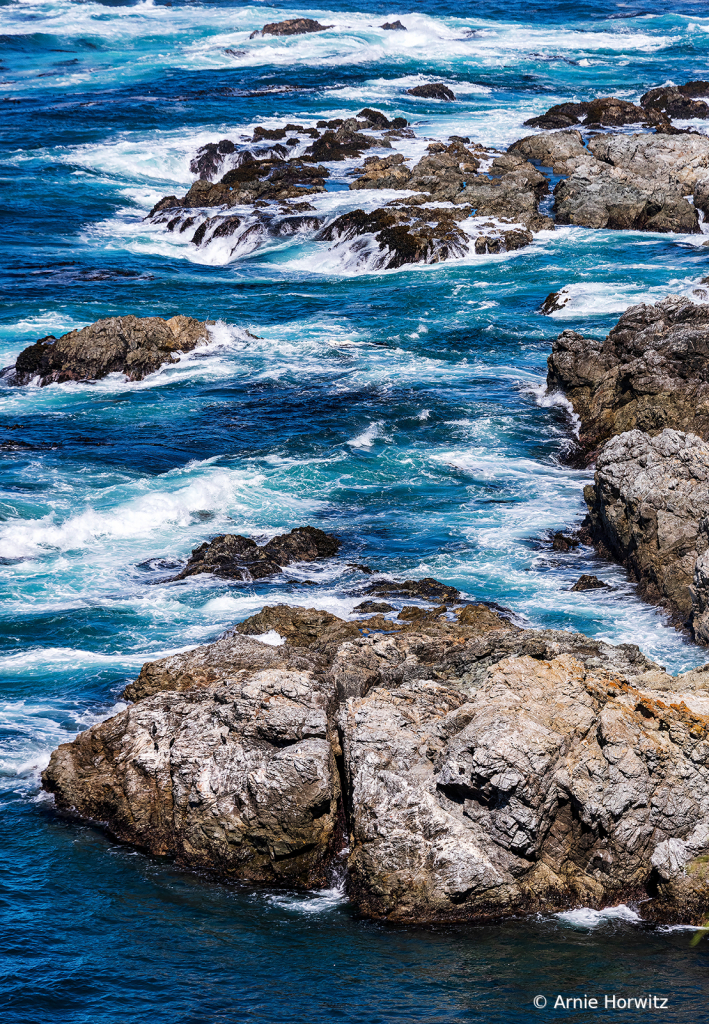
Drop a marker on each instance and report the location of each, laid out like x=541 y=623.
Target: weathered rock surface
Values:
x=679 y=101
x=393 y=26
x=624 y=182
x=648 y=507
x=606 y=111
x=473 y=772
x=127 y=344
x=291 y=27
x=587 y=582
x=432 y=91
x=232 y=556
x=651 y=372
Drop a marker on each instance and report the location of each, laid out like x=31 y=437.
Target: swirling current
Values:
x=403 y=410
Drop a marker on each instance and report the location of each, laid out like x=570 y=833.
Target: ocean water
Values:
x=406 y=411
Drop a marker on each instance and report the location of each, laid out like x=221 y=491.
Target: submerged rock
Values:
x=291 y=27
x=472 y=770
x=126 y=344
x=232 y=556
x=432 y=91
x=586 y=582
x=648 y=507
x=649 y=373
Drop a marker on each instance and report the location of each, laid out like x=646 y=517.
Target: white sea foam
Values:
x=272 y=638
x=585 y=917
x=367 y=438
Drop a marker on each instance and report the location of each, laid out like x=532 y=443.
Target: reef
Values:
x=459 y=767
x=131 y=345
x=232 y=556
x=291 y=27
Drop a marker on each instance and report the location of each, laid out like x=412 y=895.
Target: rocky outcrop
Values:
x=679 y=101
x=586 y=582
x=648 y=507
x=606 y=111
x=234 y=557
x=291 y=27
x=131 y=345
x=461 y=772
x=649 y=373
x=432 y=91
x=393 y=26
x=624 y=182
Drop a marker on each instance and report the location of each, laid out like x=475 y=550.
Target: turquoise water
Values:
x=405 y=411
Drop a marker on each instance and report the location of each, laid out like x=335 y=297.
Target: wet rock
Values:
x=393 y=26
x=606 y=111
x=563 y=542
x=587 y=582
x=553 y=302
x=649 y=373
x=425 y=588
x=648 y=507
x=432 y=91
x=679 y=101
x=131 y=345
x=379 y=121
x=253 y=180
x=232 y=556
x=291 y=27
x=401 y=236
x=343 y=144
x=210 y=158
x=374 y=606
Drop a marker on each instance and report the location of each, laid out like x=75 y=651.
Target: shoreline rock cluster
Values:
x=461 y=768
x=642 y=399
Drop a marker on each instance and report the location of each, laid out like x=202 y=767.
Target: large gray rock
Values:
x=465 y=767
x=551 y=785
x=128 y=344
x=625 y=182
x=648 y=506
x=649 y=373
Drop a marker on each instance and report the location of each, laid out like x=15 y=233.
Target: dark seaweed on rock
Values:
x=232 y=556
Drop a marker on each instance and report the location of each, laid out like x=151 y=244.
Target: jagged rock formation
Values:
x=432 y=91
x=625 y=182
x=606 y=111
x=648 y=507
x=127 y=344
x=474 y=772
x=232 y=556
x=587 y=582
x=291 y=27
x=651 y=372
x=678 y=101
x=393 y=26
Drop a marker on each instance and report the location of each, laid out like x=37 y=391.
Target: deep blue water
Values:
x=404 y=411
